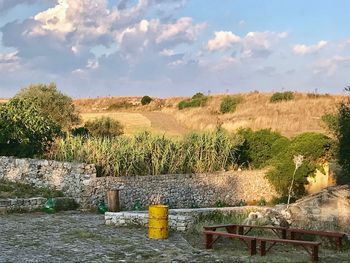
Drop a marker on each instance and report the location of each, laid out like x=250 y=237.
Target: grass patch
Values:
x=21 y=190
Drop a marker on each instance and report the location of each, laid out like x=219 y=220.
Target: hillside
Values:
x=303 y=114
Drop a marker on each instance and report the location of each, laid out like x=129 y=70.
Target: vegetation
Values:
x=260 y=146
x=52 y=104
x=314 y=147
x=10 y=189
x=102 y=127
x=339 y=125
x=120 y=105
x=343 y=136
x=147 y=154
x=24 y=130
x=197 y=100
x=282 y=96
x=146 y=100
x=230 y=103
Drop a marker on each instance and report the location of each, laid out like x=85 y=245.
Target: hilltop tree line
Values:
x=40 y=121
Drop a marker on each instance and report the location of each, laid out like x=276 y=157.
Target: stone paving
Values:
x=79 y=237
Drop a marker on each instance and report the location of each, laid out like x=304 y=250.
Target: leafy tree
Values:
x=24 y=131
x=260 y=146
x=314 y=147
x=104 y=127
x=146 y=100
x=51 y=103
x=343 y=136
x=339 y=125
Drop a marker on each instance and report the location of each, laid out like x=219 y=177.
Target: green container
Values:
x=102 y=207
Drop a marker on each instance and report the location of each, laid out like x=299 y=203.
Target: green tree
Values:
x=24 y=131
x=51 y=103
x=260 y=146
x=146 y=100
x=104 y=127
x=343 y=136
x=314 y=147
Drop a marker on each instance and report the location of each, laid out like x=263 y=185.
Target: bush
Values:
x=314 y=147
x=120 y=105
x=197 y=100
x=282 y=96
x=229 y=103
x=104 y=127
x=260 y=146
x=24 y=131
x=51 y=103
x=146 y=100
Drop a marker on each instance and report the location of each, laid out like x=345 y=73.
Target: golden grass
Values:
x=303 y=114
x=132 y=122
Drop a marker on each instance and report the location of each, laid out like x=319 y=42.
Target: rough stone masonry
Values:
x=79 y=181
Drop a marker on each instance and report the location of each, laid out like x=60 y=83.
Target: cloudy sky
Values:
x=174 y=47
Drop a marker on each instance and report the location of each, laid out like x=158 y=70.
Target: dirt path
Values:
x=166 y=123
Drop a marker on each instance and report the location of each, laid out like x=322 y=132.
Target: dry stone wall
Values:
x=79 y=181
x=189 y=190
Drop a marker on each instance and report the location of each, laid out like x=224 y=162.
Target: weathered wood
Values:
x=338 y=236
x=113 y=200
x=305 y=244
x=209 y=239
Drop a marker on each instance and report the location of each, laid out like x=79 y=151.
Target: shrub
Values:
x=260 y=146
x=197 y=100
x=282 y=96
x=24 y=131
x=104 y=127
x=146 y=100
x=314 y=147
x=51 y=103
x=229 y=103
x=120 y=105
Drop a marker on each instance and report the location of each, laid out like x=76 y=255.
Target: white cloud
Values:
x=182 y=30
x=330 y=66
x=223 y=40
x=259 y=44
x=167 y=52
x=9 y=62
x=302 y=49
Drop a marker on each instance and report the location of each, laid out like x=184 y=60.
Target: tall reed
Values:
x=147 y=154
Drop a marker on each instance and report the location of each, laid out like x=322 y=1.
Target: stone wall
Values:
x=79 y=181
x=178 y=219
x=67 y=177
x=21 y=204
x=327 y=210
x=189 y=190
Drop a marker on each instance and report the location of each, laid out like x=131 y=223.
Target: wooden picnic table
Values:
x=281 y=232
x=240 y=232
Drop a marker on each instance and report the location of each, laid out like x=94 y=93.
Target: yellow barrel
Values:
x=158 y=221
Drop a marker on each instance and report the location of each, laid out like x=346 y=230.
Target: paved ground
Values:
x=78 y=237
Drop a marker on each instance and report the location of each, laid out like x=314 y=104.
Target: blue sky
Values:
x=174 y=47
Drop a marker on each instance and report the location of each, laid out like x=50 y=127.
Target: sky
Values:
x=164 y=48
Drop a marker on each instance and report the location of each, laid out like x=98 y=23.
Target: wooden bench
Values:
x=313 y=251
x=338 y=236
x=248 y=240
x=245 y=229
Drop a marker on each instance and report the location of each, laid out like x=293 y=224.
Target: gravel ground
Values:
x=79 y=237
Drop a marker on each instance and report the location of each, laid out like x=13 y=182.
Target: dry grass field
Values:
x=302 y=114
